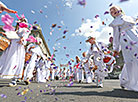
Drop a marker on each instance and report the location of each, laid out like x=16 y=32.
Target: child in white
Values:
x=48 y=66
x=60 y=74
x=77 y=69
x=13 y=58
x=64 y=73
x=97 y=54
x=41 y=71
x=36 y=51
x=81 y=73
x=85 y=63
x=53 y=72
x=67 y=74
x=125 y=37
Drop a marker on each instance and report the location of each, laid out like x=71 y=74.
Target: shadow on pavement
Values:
x=6 y=84
x=80 y=86
x=3 y=86
x=118 y=93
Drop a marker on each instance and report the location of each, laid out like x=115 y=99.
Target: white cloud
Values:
x=105 y=35
x=89 y=28
x=94 y=28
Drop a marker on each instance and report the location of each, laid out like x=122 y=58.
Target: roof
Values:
x=42 y=37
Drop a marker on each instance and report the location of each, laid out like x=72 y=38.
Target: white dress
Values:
x=87 y=70
x=68 y=74
x=41 y=71
x=53 y=72
x=81 y=73
x=48 y=66
x=31 y=65
x=77 y=72
x=125 y=37
x=12 y=59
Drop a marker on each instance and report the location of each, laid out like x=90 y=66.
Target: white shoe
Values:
x=100 y=85
x=12 y=84
x=122 y=87
x=88 y=82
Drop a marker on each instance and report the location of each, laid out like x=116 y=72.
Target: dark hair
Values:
x=45 y=54
x=23 y=20
x=17 y=27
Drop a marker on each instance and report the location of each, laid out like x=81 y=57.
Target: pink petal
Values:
x=17 y=16
x=8 y=28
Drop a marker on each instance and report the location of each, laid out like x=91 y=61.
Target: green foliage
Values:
x=119 y=63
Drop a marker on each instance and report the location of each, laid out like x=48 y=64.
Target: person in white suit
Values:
x=97 y=54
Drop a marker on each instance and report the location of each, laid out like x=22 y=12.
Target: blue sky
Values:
x=57 y=11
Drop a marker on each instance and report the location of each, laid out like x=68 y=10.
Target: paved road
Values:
x=57 y=91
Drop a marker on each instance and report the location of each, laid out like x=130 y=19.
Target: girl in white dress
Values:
x=67 y=74
x=125 y=38
x=36 y=51
x=86 y=66
x=13 y=58
x=52 y=71
x=41 y=71
x=48 y=66
x=78 y=70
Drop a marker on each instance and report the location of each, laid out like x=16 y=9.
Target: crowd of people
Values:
x=93 y=65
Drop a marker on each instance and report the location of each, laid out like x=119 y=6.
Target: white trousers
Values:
x=81 y=74
x=41 y=75
x=53 y=75
x=47 y=74
x=88 y=75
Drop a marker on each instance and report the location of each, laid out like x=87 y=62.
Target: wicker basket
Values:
x=4 y=43
x=27 y=56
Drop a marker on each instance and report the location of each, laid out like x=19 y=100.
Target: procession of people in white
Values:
x=91 y=66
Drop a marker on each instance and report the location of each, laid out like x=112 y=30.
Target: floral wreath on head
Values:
x=23 y=22
x=22 y=18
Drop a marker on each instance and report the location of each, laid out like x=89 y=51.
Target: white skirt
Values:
x=12 y=61
x=129 y=74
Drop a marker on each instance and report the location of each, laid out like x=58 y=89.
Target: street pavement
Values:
x=63 y=91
